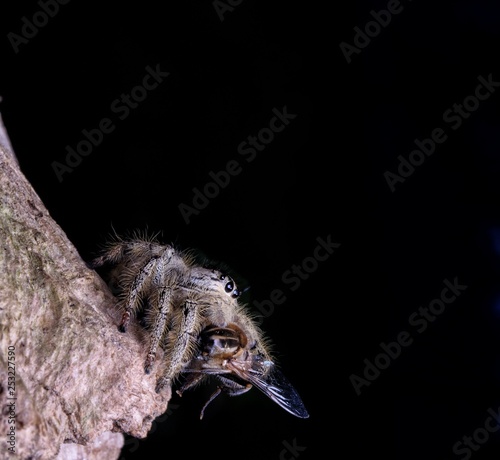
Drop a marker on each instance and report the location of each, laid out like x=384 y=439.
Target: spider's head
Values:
x=214 y=280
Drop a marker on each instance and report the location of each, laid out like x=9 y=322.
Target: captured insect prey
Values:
x=192 y=312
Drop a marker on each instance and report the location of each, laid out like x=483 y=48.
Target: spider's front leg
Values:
x=180 y=341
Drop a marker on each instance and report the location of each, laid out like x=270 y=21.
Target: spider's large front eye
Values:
x=230 y=288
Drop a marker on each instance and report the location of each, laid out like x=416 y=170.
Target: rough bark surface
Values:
x=80 y=383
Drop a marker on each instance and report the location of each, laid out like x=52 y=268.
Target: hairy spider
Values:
x=192 y=311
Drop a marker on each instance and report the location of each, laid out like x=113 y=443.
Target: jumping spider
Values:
x=192 y=311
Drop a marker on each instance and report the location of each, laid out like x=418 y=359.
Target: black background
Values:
x=323 y=175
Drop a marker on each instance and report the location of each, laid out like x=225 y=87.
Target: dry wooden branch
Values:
x=80 y=383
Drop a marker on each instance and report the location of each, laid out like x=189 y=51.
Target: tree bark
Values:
x=79 y=382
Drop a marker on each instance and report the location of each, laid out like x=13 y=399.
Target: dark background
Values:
x=322 y=175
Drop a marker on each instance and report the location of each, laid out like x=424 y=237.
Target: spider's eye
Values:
x=229 y=287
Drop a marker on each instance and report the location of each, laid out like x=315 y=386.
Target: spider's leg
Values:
x=181 y=342
x=123 y=250
x=158 y=330
x=132 y=297
x=163 y=280
x=113 y=254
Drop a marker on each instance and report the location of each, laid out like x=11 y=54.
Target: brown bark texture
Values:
x=79 y=382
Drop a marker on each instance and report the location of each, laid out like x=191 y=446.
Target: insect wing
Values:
x=280 y=390
x=277 y=387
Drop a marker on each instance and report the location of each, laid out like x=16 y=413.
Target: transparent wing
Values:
x=267 y=378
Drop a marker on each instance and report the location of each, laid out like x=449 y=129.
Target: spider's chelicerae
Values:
x=192 y=311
